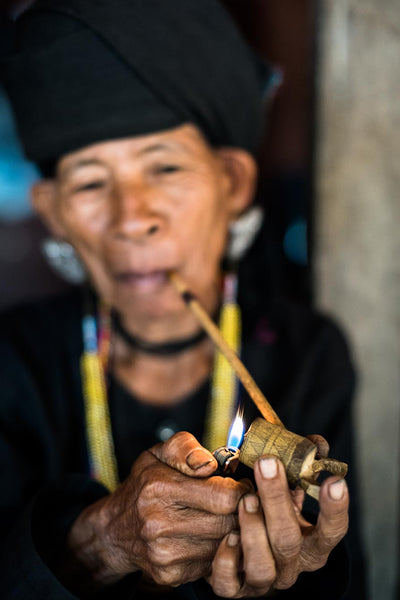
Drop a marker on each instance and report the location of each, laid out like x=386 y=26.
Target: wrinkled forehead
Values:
x=183 y=142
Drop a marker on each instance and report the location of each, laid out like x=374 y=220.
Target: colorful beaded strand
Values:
x=103 y=464
x=223 y=400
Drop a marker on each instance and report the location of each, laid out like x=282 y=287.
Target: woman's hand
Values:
x=274 y=544
x=166 y=520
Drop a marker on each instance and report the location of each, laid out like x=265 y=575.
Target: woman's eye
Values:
x=92 y=185
x=168 y=169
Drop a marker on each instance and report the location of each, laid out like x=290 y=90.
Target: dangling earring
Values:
x=63 y=260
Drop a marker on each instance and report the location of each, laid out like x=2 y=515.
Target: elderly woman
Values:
x=144 y=118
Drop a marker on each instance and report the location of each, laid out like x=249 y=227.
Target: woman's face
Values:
x=137 y=208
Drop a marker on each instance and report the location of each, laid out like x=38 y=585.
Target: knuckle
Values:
x=144 y=478
x=287 y=544
x=226 y=588
x=161 y=557
x=226 y=494
x=169 y=577
x=256 y=592
x=152 y=529
x=142 y=507
x=263 y=579
x=223 y=569
x=145 y=501
x=172 y=577
x=336 y=516
x=181 y=438
x=313 y=561
x=224 y=525
x=276 y=494
x=286 y=582
x=339 y=519
x=177 y=442
x=335 y=538
x=329 y=539
x=153 y=488
x=322 y=561
x=327 y=544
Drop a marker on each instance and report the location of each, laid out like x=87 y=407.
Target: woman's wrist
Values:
x=89 y=563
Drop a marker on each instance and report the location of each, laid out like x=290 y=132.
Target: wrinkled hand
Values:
x=274 y=544
x=166 y=520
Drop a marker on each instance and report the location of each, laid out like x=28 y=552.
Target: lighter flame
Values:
x=236 y=431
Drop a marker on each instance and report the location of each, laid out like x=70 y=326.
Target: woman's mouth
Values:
x=143 y=282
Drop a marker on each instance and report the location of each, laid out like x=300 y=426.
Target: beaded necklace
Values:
x=96 y=344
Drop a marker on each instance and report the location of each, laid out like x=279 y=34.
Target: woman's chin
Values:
x=147 y=306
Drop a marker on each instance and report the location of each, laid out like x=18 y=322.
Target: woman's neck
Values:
x=169 y=347
x=166 y=378
x=162 y=380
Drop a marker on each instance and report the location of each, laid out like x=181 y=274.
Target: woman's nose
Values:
x=135 y=216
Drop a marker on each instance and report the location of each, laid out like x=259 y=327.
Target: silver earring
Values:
x=63 y=260
x=242 y=233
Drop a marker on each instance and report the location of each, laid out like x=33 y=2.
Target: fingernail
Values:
x=336 y=490
x=251 y=503
x=198 y=458
x=269 y=468
x=233 y=539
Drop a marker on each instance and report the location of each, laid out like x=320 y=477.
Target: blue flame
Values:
x=236 y=431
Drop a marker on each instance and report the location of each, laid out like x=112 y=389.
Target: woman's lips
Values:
x=143 y=282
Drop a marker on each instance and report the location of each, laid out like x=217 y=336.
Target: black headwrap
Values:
x=83 y=71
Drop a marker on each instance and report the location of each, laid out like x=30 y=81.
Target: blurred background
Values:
x=329 y=183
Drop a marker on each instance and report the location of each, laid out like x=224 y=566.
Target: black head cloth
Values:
x=83 y=71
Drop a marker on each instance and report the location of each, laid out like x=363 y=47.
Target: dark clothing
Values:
x=298 y=358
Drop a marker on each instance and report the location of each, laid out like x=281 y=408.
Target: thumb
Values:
x=185 y=454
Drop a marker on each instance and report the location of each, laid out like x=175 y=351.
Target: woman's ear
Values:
x=241 y=170
x=43 y=199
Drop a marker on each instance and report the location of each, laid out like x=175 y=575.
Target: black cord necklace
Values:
x=160 y=349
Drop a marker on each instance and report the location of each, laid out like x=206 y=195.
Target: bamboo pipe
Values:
x=242 y=373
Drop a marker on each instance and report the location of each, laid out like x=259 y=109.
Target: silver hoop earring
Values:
x=62 y=258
